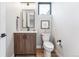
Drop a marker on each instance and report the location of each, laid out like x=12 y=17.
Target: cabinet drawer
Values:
x=29 y=36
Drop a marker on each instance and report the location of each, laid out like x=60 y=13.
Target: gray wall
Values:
x=38 y=19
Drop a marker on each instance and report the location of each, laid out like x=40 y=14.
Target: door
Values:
x=2 y=29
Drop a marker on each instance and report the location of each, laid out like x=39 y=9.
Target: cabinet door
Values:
x=30 y=44
x=33 y=43
x=27 y=44
x=18 y=43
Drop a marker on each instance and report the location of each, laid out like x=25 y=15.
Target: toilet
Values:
x=47 y=45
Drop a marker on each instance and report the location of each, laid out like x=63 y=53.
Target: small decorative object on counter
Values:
x=17 y=23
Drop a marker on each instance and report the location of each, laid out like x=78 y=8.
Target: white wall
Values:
x=66 y=18
x=2 y=29
x=12 y=10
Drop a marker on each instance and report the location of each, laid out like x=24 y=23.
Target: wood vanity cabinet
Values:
x=24 y=43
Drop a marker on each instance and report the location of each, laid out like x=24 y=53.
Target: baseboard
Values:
x=38 y=46
x=58 y=54
x=12 y=55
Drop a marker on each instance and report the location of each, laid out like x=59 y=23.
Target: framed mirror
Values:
x=45 y=24
x=28 y=18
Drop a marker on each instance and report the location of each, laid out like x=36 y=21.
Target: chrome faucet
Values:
x=28 y=28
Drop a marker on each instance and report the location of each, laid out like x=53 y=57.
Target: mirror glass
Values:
x=28 y=18
x=24 y=18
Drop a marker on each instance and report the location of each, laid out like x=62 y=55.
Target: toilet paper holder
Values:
x=3 y=35
x=59 y=43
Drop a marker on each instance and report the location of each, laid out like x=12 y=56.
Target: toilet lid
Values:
x=48 y=44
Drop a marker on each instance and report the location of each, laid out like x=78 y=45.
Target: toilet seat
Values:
x=48 y=45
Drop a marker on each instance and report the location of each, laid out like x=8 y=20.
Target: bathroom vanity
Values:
x=25 y=43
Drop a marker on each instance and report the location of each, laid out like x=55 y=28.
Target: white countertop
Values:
x=25 y=32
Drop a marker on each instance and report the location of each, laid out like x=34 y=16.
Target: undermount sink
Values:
x=26 y=31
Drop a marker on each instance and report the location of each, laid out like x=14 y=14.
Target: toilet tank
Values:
x=45 y=36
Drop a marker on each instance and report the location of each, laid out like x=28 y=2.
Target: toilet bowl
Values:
x=48 y=46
